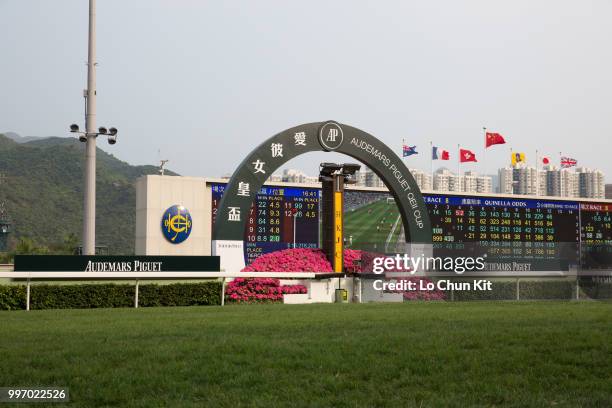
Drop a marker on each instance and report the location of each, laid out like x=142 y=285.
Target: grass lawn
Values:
x=411 y=354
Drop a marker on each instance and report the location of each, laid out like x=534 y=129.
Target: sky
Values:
x=202 y=83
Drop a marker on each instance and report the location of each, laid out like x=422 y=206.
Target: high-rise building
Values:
x=297 y=176
x=506 y=180
x=484 y=184
x=372 y=179
x=474 y=183
x=423 y=180
x=441 y=180
x=446 y=180
x=519 y=179
x=608 y=188
x=558 y=182
x=470 y=181
x=360 y=179
x=590 y=183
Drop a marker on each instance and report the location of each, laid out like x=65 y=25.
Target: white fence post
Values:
x=136 y=295
x=28 y=295
x=222 y=291
x=577 y=289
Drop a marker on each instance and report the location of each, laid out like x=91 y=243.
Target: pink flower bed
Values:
x=260 y=290
x=306 y=260
x=291 y=260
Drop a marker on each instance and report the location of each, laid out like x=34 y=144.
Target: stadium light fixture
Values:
x=89 y=137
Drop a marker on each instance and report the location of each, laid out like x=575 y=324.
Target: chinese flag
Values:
x=494 y=139
x=466 y=156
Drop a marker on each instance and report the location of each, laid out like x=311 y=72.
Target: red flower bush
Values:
x=308 y=260
x=260 y=290
x=291 y=260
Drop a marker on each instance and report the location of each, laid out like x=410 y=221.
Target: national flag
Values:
x=517 y=158
x=466 y=156
x=545 y=160
x=409 y=151
x=493 y=139
x=568 y=162
x=439 y=154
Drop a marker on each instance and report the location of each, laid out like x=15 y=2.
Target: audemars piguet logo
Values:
x=331 y=136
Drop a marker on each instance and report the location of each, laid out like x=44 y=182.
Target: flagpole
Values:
x=403 y=156
x=431 y=160
x=484 y=155
x=458 y=157
x=537 y=189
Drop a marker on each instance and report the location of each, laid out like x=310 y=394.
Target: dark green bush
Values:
x=500 y=290
x=548 y=290
x=596 y=290
x=12 y=297
x=529 y=290
x=109 y=295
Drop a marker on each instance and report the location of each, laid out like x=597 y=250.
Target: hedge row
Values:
x=596 y=290
x=535 y=290
x=12 y=297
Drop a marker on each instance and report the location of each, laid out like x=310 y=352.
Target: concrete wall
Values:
x=155 y=194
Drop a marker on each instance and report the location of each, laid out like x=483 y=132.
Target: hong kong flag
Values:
x=466 y=155
x=545 y=160
x=493 y=139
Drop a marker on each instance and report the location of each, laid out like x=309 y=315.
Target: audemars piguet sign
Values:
x=68 y=263
x=327 y=136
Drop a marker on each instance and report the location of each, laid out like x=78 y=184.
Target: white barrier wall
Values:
x=154 y=195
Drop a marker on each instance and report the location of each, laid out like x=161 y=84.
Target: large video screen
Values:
x=513 y=234
x=280 y=218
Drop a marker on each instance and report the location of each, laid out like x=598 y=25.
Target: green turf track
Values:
x=510 y=354
x=362 y=226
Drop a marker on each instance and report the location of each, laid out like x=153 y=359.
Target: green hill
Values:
x=43 y=191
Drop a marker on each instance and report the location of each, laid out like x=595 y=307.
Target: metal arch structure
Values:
x=249 y=177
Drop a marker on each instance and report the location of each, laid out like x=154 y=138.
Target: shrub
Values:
x=308 y=260
x=291 y=260
x=259 y=290
x=12 y=297
x=109 y=295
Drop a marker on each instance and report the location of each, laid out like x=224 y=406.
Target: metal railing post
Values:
x=577 y=288
x=222 y=291
x=28 y=295
x=136 y=295
x=518 y=289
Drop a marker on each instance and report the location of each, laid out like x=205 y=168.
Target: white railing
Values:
x=137 y=276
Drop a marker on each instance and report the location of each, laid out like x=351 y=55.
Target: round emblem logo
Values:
x=176 y=224
x=330 y=136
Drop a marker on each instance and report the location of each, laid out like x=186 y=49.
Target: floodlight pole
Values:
x=89 y=208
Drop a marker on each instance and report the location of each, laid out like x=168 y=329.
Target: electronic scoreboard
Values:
x=512 y=234
x=596 y=235
x=280 y=218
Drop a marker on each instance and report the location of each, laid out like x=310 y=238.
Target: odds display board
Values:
x=512 y=234
x=596 y=235
x=280 y=218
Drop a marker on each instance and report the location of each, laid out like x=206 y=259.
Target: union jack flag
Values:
x=568 y=162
